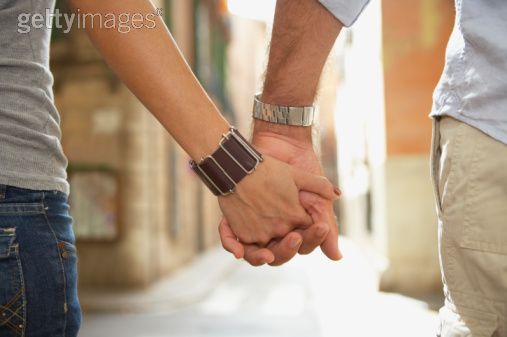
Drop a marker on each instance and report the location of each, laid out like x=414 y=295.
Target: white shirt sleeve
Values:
x=347 y=11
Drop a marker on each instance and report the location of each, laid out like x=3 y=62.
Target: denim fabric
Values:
x=38 y=265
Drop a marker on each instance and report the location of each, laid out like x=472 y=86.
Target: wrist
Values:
x=234 y=159
x=301 y=134
x=207 y=140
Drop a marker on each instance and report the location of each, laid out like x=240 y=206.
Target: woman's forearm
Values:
x=148 y=61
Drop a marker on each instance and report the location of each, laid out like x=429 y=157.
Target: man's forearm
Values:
x=303 y=34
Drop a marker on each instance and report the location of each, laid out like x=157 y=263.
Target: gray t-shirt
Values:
x=31 y=155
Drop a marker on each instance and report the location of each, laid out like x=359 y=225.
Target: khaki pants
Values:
x=469 y=172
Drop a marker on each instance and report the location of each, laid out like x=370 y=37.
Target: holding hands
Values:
x=285 y=207
x=265 y=205
x=302 y=37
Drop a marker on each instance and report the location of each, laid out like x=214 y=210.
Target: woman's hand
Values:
x=265 y=205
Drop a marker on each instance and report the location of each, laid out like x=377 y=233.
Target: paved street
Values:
x=309 y=297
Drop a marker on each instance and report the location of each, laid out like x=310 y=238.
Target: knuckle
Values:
x=295 y=211
x=263 y=239
x=281 y=230
x=246 y=239
x=322 y=229
x=301 y=218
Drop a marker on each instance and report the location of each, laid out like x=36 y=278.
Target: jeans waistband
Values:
x=8 y=192
x=3 y=191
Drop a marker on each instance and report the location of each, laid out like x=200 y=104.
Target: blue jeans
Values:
x=38 y=265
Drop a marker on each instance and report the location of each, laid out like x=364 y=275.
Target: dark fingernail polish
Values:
x=337 y=191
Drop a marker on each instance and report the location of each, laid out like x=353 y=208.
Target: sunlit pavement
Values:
x=309 y=297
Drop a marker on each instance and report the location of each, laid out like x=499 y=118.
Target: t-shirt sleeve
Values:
x=347 y=11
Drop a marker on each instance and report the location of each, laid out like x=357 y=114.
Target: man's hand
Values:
x=298 y=152
x=302 y=37
x=265 y=205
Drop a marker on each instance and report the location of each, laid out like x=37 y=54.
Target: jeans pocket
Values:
x=12 y=290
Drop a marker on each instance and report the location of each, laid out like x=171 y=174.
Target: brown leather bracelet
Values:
x=234 y=159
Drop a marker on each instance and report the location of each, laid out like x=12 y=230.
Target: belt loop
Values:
x=3 y=190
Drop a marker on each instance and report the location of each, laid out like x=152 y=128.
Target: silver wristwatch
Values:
x=288 y=115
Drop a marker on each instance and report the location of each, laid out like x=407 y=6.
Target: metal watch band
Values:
x=234 y=159
x=288 y=115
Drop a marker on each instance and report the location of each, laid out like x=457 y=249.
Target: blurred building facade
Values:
x=391 y=61
x=374 y=131
x=141 y=213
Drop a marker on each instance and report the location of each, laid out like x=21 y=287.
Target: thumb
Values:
x=314 y=184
